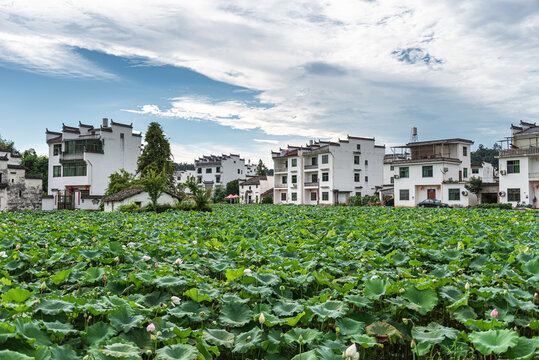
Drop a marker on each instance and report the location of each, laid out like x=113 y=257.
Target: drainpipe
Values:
x=91 y=171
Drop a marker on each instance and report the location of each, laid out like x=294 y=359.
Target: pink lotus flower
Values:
x=178 y=261
x=18 y=246
x=105 y=277
x=156 y=264
x=150 y=328
x=494 y=313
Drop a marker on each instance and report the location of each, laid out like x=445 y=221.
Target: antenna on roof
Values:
x=413 y=136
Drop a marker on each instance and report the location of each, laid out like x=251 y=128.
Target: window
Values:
x=392 y=180
x=283 y=196
x=314 y=178
x=513 y=194
x=427 y=171
x=75 y=169
x=358 y=146
x=122 y=142
x=208 y=171
x=404 y=171
x=218 y=178
x=218 y=169
x=454 y=194
x=391 y=168
x=238 y=171
x=465 y=172
x=356 y=177
x=325 y=176
x=313 y=196
x=294 y=196
x=20 y=193
x=366 y=179
x=314 y=161
x=325 y=159
x=294 y=179
x=475 y=171
x=285 y=179
x=358 y=193
x=464 y=151
x=366 y=162
x=325 y=196
x=199 y=179
x=56 y=171
x=513 y=167
x=80 y=146
x=199 y=170
x=404 y=195
x=356 y=159
x=57 y=149
x=293 y=162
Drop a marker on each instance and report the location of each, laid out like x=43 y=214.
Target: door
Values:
x=431 y=194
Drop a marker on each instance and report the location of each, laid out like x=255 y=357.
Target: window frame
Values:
x=425 y=171
x=513 y=166
x=404 y=171
x=325 y=159
x=453 y=194
x=325 y=176
x=402 y=192
x=513 y=195
x=325 y=195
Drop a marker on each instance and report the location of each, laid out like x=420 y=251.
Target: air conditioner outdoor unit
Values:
x=501 y=193
x=446 y=169
x=396 y=176
x=503 y=172
x=465 y=193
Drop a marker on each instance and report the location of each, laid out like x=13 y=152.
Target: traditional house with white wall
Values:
x=212 y=171
x=328 y=173
x=181 y=176
x=18 y=190
x=484 y=171
x=136 y=195
x=251 y=190
x=519 y=166
x=81 y=160
x=438 y=169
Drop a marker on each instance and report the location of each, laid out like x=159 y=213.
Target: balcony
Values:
x=280 y=169
x=533 y=176
x=280 y=186
x=65 y=157
x=311 y=184
x=310 y=167
x=518 y=152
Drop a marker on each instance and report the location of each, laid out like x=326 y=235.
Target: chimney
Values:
x=105 y=122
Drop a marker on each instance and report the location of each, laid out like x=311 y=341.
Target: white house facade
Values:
x=181 y=176
x=484 y=171
x=212 y=171
x=519 y=166
x=328 y=173
x=135 y=195
x=81 y=160
x=18 y=190
x=251 y=190
x=437 y=169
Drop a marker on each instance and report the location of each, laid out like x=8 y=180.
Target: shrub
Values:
x=267 y=200
x=495 y=206
x=158 y=208
x=132 y=208
x=185 y=205
x=363 y=201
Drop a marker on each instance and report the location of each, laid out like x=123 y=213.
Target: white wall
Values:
x=515 y=181
x=142 y=197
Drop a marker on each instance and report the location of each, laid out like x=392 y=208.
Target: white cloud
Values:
x=266 y=141
x=323 y=69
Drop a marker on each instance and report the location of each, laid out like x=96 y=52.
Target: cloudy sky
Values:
x=249 y=76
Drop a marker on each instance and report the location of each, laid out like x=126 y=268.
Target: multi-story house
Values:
x=437 y=169
x=81 y=160
x=18 y=190
x=181 y=176
x=251 y=190
x=484 y=171
x=328 y=173
x=212 y=170
x=519 y=166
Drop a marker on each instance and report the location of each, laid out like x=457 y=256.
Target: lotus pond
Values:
x=269 y=282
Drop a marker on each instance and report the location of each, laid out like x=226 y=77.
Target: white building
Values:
x=18 y=191
x=251 y=190
x=135 y=195
x=484 y=171
x=328 y=173
x=211 y=171
x=519 y=166
x=181 y=176
x=81 y=160
x=437 y=169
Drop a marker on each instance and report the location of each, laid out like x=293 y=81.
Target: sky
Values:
x=248 y=77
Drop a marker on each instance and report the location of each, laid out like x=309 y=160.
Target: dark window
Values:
x=325 y=196
x=366 y=179
x=391 y=168
x=80 y=146
x=356 y=159
x=475 y=171
x=56 y=171
x=513 y=167
x=238 y=171
x=366 y=162
x=208 y=171
x=294 y=162
x=285 y=179
x=217 y=169
x=404 y=194
x=464 y=151
x=218 y=178
x=294 y=196
x=20 y=193
x=404 y=171
x=122 y=142
x=454 y=194
x=356 y=177
x=358 y=146
x=75 y=169
x=313 y=196
x=294 y=179
x=325 y=159
x=57 y=149
x=314 y=161
x=314 y=178
x=427 y=171
x=283 y=196
x=465 y=172
x=325 y=176
x=392 y=180
x=199 y=170
x=513 y=194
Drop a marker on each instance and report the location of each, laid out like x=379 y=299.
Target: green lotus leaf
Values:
x=17 y=295
x=493 y=341
x=170 y=282
x=59 y=327
x=197 y=295
x=422 y=349
x=94 y=274
x=307 y=335
x=326 y=353
x=358 y=300
x=456 y=348
x=287 y=308
x=120 y=351
x=374 y=288
x=433 y=333
x=451 y=293
x=64 y=352
x=190 y=309
x=364 y=340
x=13 y=355
x=98 y=332
x=122 y=319
x=330 y=309
x=532 y=266
x=464 y=313
x=524 y=349
x=60 y=276
x=380 y=328
x=425 y=299
x=235 y=315
x=483 y=325
x=400 y=259
x=229 y=298
x=348 y=326
x=267 y=279
x=308 y=355
x=293 y=320
x=32 y=332
x=7 y=331
x=218 y=337
x=247 y=340
x=55 y=306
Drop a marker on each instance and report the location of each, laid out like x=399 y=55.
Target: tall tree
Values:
x=261 y=169
x=475 y=185
x=156 y=154
x=36 y=165
x=483 y=154
x=233 y=187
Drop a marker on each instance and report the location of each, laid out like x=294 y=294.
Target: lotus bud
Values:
x=536 y=296
x=159 y=333
x=467 y=286
x=250 y=337
x=149 y=352
x=202 y=314
x=300 y=338
x=178 y=261
x=405 y=321
x=494 y=313
x=247 y=272
x=401 y=290
x=337 y=330
x=18 y=246
x=43 y=286
x=412 y=344
x=105 y=277
x=505 y=292
x=117 y=259
x=351 y=352
x=150 y=328
x=156 y=264
x=261 y=319
x=175 y=300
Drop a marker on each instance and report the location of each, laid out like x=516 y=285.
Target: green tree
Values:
x=156 y=154
x=119 y=181
x=483 y=154
x=233 y=187
x=261 y=169
x=7 y=145
x=154 y=184
x=184 y=166
x=36 y=165
x=475 y=185
x=200 y=195
x=219 y=194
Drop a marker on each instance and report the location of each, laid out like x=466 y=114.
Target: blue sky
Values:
x=244 y=77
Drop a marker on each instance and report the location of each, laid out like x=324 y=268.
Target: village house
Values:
x=136 y=195
x=437 y=169
x=212 y=171
x=519 y=166
x=328 y=173
x=81 y=160
x=18 y=190
x=251 y=190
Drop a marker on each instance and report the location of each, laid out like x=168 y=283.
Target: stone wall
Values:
x=24 y=194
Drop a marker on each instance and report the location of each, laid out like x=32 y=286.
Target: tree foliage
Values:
x=154 y=184
x=36 y=165
x=7 y=145
x=200 y=195
x=184 y=166
x=261 y=169
x=233 y=187
x=119 y=181
x=483 y=154
x=219 y=194
x=475 y=185
x=156 y=154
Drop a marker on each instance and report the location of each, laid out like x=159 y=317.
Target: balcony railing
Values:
x=513 y=152
x=309 y=167
x=311 y=184
x=71 y=157
x=280 y=186
x=281 y=169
